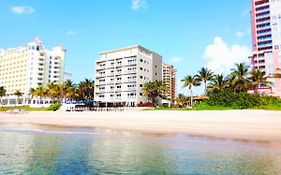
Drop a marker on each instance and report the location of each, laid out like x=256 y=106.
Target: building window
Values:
x=141 y=85
x=141 y=77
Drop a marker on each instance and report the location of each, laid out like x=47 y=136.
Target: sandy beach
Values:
x=254 y=125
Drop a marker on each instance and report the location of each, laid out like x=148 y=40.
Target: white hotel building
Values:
x=121 y=74
x=27 y=67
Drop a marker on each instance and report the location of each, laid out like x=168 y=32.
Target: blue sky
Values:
x=188 y=33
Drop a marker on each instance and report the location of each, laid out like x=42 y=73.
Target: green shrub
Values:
x=242 y=100
x=54 y=107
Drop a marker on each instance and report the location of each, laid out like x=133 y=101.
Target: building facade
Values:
x=120 y=75
x=27 y=67
x=169 y=78
x=266 y=40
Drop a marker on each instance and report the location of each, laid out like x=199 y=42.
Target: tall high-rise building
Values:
x=121 y=75
x=169 y=78
x=29 y=66
x=266 y=40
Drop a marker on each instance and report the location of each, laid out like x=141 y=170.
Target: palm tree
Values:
x=182 y=100
x=190 y=81
x=40 y=92
x=18 y=93
x=258 y=78
x=239 y=76
x=154 y=89
x=204 y=75
x=54 y=91
x=2 y=93
x=32 y=92
x=86 y=89
x=219 y=82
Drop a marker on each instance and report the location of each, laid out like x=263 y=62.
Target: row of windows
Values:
x=12 y=57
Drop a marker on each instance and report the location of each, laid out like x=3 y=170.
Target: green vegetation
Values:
x=227 y=99
x=54 y=107
x=66 y=91
x=24 y=108
x=228 y=92
x=154 y=89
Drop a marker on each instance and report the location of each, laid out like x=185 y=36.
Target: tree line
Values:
x=67 y=91
x=240 y=79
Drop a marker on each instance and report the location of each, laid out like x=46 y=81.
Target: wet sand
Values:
x=245 y=125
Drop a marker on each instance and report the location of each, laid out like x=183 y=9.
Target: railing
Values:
x=263 y=27
x=264 y=33
x=265 y=39
x=263 y=21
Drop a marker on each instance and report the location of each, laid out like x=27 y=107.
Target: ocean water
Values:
x=30 y=149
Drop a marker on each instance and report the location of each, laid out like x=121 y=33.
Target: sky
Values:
x=189 y=34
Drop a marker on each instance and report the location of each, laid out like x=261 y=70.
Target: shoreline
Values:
x=245 y=125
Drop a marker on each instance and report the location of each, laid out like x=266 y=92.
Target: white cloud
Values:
x=176 y=60
x=221 y=57
x=240 y=34
x=71 y=33
x=22 y=9
x=138 y=5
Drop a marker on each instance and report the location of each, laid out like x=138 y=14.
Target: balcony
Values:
x=101 y=67
x=101 y=83
x=131 y=80
x=262 y=4
x=265 y=39
x=264 y=33
x=263 y=21
x=100 y=75
x=110 y=74
x=132 y=97
x=111 y=91
x=100 y=91
x=264 y=27
x=130 y=63
x=262 y=10
x=259 y=17
x=265 y=44
x=118 y=89
x=119 y=65
x=130 y=72
x=111 y=82
x=131 y=89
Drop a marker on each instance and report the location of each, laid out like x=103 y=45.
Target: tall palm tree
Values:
x=219 y=82
x=2 y=93
x=204 y=75
x=190 y=81
x=18 y=93
x=258 y=78
x=154 y=89
x=240 y=78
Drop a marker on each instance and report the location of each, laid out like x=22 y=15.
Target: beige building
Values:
x=169 y=78
x=120 y=75
x=27 y=67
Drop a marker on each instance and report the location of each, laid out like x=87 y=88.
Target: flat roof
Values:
x=127 y=48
